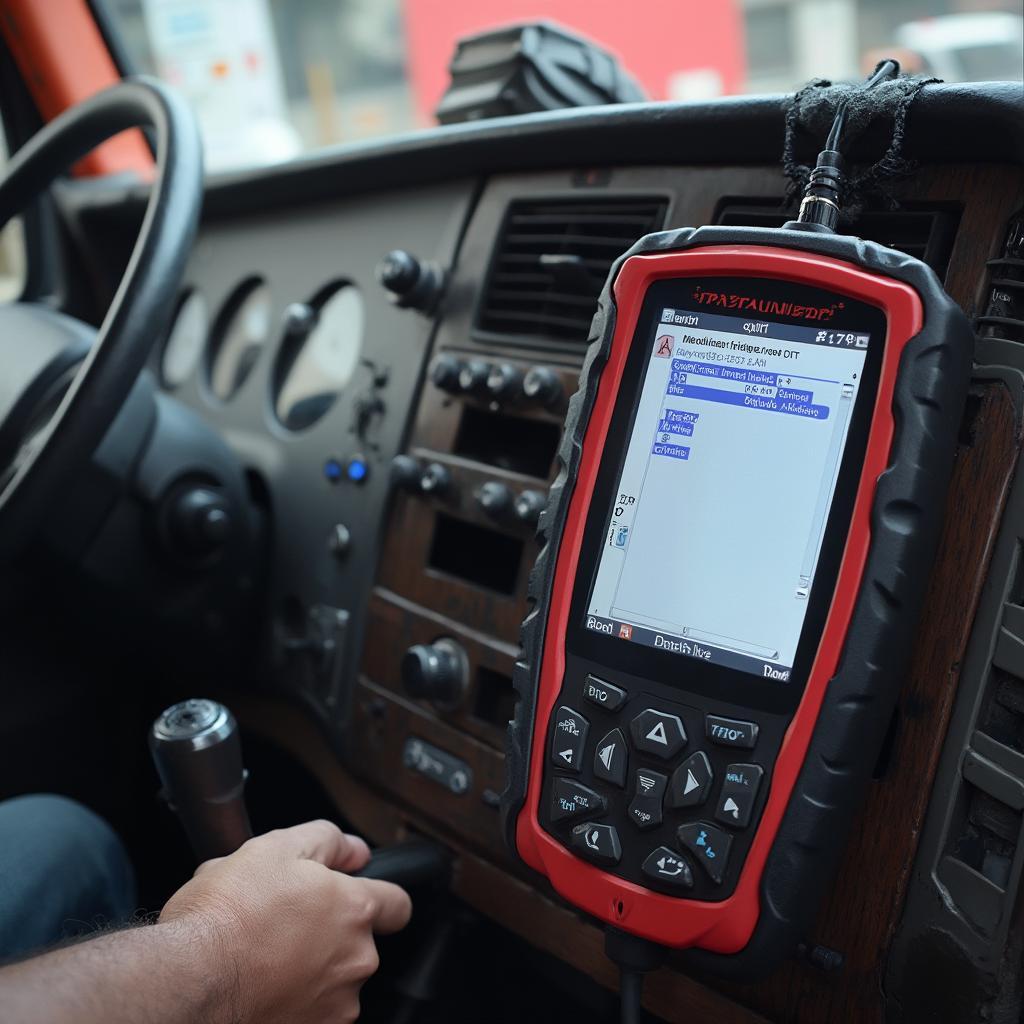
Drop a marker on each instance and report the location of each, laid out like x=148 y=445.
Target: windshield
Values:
x=270 y=79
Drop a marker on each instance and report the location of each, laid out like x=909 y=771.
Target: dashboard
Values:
x=403 y=458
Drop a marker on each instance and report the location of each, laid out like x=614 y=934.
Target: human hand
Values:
x=289 y=928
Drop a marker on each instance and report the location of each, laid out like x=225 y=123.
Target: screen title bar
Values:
x=768 y=329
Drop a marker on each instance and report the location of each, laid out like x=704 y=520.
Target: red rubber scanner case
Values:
x=784 y=753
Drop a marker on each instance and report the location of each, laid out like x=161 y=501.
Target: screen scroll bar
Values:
x=828 y=478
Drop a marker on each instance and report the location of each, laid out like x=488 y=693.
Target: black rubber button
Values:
x=599 y=843
x=571 y=799
x=648 y=792
x=691 y=782
x=729 y=732
x=668 y=869
x=610 y=757
x=603 y=694
x=657 y=733
x=739 y=791
x=568 y=739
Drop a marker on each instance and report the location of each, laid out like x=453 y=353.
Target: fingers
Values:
x=323 y=842
x=391 y=906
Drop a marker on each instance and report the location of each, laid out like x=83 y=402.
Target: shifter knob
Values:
x=198 y=755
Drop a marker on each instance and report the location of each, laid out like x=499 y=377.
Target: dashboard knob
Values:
x=495 y=499
x=445 y=373
x=198 y=523
x=298 y=320
x=473 y=377
x=505 y=383
x=543 y=386
x=438 y=672
x=435 y=479
x=406 y=473
x=409 y=282
x=528 y=507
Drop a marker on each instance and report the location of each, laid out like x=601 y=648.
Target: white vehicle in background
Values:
x=980 y=47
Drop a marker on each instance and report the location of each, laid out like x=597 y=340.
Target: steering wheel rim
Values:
x=144 y=299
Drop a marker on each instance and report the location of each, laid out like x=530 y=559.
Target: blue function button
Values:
x=739 y=791
x=357 y=469
x=709 y=845
x=571 y=799
x=568 y=739
x=603 y=694
x=333 y=471
x=730 y=732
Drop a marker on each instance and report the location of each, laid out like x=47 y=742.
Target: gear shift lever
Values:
x=198 y=756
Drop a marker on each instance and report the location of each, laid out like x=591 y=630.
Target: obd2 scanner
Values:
x=735 y=555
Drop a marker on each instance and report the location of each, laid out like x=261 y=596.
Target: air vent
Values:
x=925 y=231
x=551 y=262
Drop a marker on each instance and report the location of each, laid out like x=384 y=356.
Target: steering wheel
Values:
x=61 y=382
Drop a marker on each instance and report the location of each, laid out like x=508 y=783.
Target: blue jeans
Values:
x=63 y=872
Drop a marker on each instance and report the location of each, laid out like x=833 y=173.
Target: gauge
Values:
x=185 y=341
x=242 y=328
x=316 y=367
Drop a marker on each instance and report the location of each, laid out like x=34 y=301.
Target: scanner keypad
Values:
x=651 y=790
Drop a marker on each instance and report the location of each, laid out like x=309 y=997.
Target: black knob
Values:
x=406 y=473
x=495 y=499
x=505 y=383
x=298 y=320
x=198 y=756
x=543 y=386
x=473 y=377
x=445 y=373
x=409 y=282
x=435 y=479
x=438 y=672
x=529 y=506
x=198 y=523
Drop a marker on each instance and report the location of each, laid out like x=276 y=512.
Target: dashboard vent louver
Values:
x=551 y=261
x=923 y=230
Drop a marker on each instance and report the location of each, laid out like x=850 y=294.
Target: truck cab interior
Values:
x=282 y=437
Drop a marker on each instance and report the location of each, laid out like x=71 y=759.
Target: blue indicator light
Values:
x=332 y=470
x=358 y=469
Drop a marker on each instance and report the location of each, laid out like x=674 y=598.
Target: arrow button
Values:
x=610 y=758
x=691 y=782
x=658 y=733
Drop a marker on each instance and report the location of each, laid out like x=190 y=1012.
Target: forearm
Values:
x=168 y=973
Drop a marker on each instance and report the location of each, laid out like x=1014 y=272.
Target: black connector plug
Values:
x=822 y=202
x=635 y=957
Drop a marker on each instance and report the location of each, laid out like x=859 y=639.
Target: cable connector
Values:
x=822 y=202
x=823 y=196
x=635 y=957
